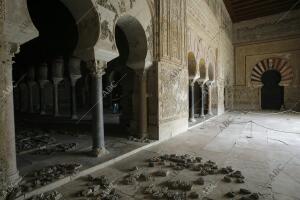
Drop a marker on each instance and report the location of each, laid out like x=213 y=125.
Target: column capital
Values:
x=7 y=51
x=97 y=67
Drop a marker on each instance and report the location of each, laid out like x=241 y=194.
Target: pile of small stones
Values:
x=48 y=196
x=163 y=192
x=143 y=140
x=181 y=162
x=246 y=194
x=28 y=141
x=99 y=188
x=48 y=175
x=58 y=148
x=135 y=177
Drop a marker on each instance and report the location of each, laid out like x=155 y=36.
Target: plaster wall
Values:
x=203 y=28
x=262 y=38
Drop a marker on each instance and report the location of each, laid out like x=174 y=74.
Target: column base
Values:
x=142 y=136
x=192 y=120
x=75 y=117
x=99 y=152
x=14 y=179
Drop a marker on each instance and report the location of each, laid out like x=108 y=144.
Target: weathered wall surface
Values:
x=268 y=37
x=209 y=38
x=207 y=34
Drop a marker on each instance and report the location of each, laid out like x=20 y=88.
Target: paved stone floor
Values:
x=269 y=159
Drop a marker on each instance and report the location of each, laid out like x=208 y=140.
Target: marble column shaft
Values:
x=202 y=100
x=192 y=102
x=8 y=164
x=142 y=110
x=97 y=69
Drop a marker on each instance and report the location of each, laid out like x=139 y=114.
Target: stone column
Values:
x=57 y=77
x=75 y=74
x=192 y=102
x=30 y=84
x=142 y=103
x=8 y=164
x=202 y=100
x=97 y=71
x=43 y=80
x=210 y=99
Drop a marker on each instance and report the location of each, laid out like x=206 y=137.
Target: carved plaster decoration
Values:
x=278 y=64
x=173 y=93
x=97 y=67
x=2 y=10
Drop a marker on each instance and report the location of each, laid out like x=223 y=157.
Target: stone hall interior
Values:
x=149 y=99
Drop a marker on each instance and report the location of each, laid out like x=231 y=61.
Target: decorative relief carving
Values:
x=106 y=32
x=173 y=93
x=269 y=29
x=2 y=9
x=96 y=67
x=172 y=30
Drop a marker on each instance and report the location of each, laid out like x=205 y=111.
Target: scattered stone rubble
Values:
x=58 y=148
x=28 y=141
x=246 y=195
x=48 y=175
x=180 y=189
x=48 y=196
x=142 y=140
x=99 y=189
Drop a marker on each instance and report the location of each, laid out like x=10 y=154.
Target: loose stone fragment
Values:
x=240 y=180
x=244 y=191
x=162 y=173
x=200 y=181
x=151 y=164
x=48 y=196
x=230 y=195
x=227 y=179
x=254 y=196
x=179 y=185
x=194 y=195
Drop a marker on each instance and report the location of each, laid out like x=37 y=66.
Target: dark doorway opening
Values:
x=272 y=95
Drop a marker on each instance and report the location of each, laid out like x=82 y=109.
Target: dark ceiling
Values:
x=241 y=10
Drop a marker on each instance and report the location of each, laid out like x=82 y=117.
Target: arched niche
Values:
x=192 y=66
x=88 y=26
x=134 y=47
x=280 y=65
x=211 y=72
x=87 y=23
x=202 y=69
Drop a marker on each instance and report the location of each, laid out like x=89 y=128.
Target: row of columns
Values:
x=57 y=76
x=203 y=98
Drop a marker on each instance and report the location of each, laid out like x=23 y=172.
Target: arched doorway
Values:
x=131 y=65
x=192 y=70
x=272 y=95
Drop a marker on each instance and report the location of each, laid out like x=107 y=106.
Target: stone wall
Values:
x=182 y=28
x=276 y=36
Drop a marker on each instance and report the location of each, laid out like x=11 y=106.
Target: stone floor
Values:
x=264 y=146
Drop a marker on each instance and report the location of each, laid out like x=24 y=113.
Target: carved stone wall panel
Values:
x=109 y=13
x=266 y=28
x=173 y=91
x=2 y=9
x=172 y=30
x=246 y=98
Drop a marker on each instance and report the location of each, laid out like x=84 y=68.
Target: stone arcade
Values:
x=87 y=83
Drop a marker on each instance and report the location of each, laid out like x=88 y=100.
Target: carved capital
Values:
x=97 y=67
x=7 y=51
